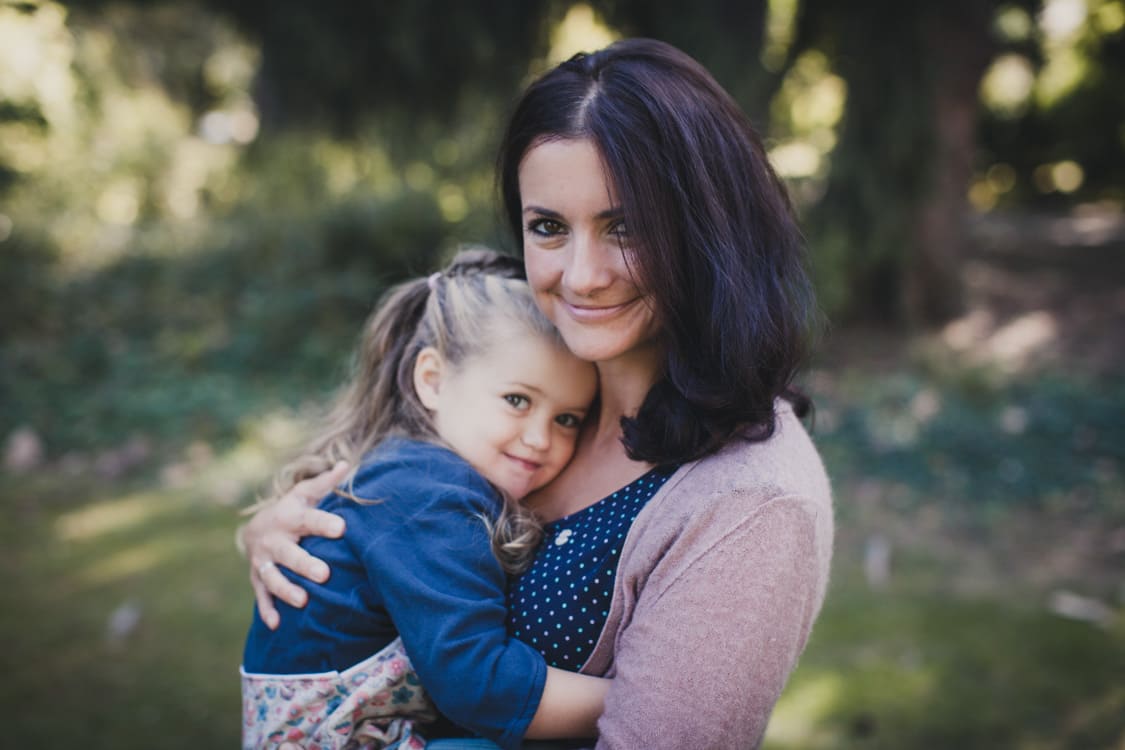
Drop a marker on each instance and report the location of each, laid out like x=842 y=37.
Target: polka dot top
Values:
x=560 y=604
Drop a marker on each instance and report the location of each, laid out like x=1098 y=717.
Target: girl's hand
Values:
x=270 y=538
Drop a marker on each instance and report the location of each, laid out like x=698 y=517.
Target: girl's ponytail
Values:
x=370 y=406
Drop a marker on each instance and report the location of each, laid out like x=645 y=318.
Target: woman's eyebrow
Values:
x=613 y=212
x=544 y=211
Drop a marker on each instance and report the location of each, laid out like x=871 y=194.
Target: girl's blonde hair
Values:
x=459 y=312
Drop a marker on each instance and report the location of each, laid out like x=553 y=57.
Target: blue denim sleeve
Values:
x=432 y=565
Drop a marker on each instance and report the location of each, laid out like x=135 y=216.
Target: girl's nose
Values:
x=536 y=435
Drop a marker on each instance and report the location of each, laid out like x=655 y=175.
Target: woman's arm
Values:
x=270 y=538
x=570 y=706
x=714 y=632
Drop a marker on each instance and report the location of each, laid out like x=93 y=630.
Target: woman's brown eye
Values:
x=545 y=227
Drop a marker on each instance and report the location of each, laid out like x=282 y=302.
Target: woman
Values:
x=691 y=534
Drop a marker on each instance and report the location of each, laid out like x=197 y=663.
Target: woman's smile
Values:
x=588 y=313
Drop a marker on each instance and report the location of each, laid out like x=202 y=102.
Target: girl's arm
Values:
x=430 y=566
x=570 y=706
x=271 y=535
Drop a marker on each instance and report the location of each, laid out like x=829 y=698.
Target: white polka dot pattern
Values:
x=560 y=604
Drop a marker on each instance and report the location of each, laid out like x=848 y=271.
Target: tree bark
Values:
x=892 y=222
x=959 y=48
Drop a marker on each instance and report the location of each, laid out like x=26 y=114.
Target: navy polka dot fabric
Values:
x=560 y=604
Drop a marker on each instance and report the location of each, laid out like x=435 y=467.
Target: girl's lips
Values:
x=594 y=313
x=523 y=463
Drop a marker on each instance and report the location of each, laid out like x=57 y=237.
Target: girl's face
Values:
x=513 y=412
x=576 y=249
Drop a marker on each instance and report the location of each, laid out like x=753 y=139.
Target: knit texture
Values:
x=720 y=580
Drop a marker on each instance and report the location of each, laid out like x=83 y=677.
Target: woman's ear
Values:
x=427 y=376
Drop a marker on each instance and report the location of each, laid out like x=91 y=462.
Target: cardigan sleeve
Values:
x=434 y=570
x=715 y=631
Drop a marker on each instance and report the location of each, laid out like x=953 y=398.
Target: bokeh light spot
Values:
x=1007 y=85
x=581 y=30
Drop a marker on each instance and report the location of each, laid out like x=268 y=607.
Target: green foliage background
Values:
x=200 y=202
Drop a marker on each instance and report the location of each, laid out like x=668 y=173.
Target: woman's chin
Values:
x=608 y=346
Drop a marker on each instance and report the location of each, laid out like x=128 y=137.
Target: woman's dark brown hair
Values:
x=716 y=243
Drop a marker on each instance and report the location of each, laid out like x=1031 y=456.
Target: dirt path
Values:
x=1046 y=291
x=1042 y=292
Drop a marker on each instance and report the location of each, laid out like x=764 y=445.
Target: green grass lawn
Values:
x=958 y=649
x=921 y=667
x=77 y=552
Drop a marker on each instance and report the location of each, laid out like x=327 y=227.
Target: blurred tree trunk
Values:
x=890 y=231
x=727 y=38
x=959 y=48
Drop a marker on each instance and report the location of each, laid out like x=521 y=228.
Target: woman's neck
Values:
x=600 y=465
x=623 y=384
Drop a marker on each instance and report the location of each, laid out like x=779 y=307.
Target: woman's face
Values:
x=576 y=248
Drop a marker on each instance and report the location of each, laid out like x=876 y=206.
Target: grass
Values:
x=921 y=667
x=78 y=552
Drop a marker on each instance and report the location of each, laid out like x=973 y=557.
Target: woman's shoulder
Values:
x=786 y=464
x=747 y=498
x=777 y=480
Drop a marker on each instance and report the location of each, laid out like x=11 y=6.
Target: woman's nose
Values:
x=589 y=266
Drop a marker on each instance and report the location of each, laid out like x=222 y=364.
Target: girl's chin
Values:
x=515 y=488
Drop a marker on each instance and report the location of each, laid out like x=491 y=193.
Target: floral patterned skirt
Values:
x=373 y=705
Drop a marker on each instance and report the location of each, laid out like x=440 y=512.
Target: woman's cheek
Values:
x=540 y=274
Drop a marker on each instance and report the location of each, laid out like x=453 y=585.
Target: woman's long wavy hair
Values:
x=459 y=312
x=717 y=245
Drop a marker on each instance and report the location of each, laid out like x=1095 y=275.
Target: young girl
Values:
x=465 y=400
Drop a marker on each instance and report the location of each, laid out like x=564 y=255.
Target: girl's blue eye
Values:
x=517 y=400
x=568 y=420
x=619 y=230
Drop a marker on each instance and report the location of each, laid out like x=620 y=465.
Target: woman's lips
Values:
x=594 y=313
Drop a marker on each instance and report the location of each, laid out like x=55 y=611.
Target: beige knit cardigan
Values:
x=720 y=580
